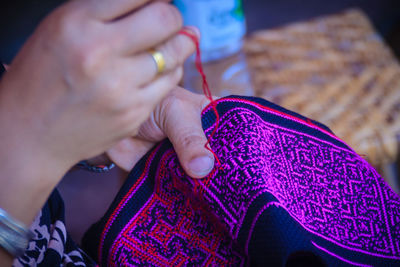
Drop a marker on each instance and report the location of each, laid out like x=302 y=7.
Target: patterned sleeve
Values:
x=52 y=245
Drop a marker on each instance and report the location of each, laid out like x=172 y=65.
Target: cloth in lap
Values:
x=288 y=192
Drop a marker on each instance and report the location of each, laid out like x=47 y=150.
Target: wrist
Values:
x=14 y=235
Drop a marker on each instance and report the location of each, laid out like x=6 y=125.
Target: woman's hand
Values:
x=85 y=80
x=178 y=118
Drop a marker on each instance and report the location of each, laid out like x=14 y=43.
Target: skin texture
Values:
x=84 y=84
x=178 y=118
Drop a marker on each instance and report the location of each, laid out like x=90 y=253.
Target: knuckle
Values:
x=89 y=58
x=64 y=29
x=172 y=101
x=167 y=15
x=168 y=103
x=189 y=138
x=62 y=23
x=173 y=98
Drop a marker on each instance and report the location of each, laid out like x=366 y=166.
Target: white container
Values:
x=221 y=24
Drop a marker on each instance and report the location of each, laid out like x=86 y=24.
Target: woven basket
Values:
x=337 y=70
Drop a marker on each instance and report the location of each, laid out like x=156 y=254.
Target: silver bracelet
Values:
x=14 y=236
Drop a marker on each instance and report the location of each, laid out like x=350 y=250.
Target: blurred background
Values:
x=323 y=59
x=20 y=17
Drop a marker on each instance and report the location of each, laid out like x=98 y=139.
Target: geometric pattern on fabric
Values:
x=330 y=190
x=167 y=231
x=282 y=177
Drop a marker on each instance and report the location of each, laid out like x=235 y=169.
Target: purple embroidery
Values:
x=168 y=232
x=330 y=190
x=326 y=188
x=121 y=204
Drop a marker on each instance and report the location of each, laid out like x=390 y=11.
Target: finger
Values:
x=110 y=10
x=182 y=124
x=155 y=91
x=126 y=153
x=145 y=28
x=147 y=98
x=175 y=51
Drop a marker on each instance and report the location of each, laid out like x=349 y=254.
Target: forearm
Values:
x=23 y=191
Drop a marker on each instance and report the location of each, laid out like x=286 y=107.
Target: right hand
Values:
x=84 y=80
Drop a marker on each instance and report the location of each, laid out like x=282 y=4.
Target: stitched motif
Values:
x=279 y=171
x=330 y=190
x=168 y=232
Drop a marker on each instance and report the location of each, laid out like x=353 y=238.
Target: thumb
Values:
x=183 y=128
x=196 y=160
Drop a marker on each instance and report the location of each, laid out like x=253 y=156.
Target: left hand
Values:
x=177 y=117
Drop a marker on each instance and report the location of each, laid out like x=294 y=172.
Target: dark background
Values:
x=20 y=17
x=86 y=194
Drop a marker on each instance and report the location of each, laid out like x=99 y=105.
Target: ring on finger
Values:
x=158 y=59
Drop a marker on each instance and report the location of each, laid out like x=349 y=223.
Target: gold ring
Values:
x=159 y=60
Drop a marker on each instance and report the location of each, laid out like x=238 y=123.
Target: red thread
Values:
x=206 y=90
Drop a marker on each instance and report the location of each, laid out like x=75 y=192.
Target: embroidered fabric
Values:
x=288 y=191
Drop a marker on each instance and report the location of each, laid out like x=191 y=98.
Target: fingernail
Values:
x=201 y=166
